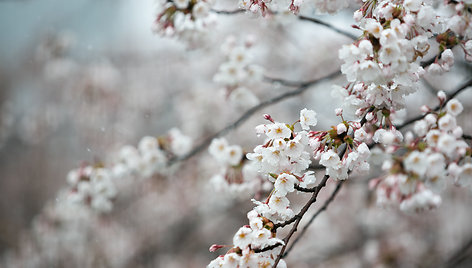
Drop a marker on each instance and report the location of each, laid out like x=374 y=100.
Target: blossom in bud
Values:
x=430 y=119
x=338 y=111
x=424 y=109
x=441 y=96
x=447 y=57
x=358 y=15
x=435 y=69
x=215 y=247
x=341 y=128
x=268 y=117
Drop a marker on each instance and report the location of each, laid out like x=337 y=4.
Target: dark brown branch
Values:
x=305 y=208
x=327 y=25
x=306 y=190
x=460 y=255
x=228 y=12
x=448 y=98
x=300 y=17
x=267 y=248
x=299 y=217
x=318 y=212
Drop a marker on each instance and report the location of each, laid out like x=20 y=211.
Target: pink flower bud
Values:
x=338 y=111
x=424 y=109
x=268 y=117
x=215 y=247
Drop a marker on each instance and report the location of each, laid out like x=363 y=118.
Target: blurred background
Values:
x=80 y=79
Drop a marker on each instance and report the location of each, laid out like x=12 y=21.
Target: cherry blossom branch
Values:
x=300 y=17
x=448 y=98
x=299 y=217
x=228 y=12
x=318 y=212
x=460 y=255
x=467 y=137
x=303 y=86
x=338 y=30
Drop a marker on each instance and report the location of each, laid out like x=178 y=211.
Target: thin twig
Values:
x=300 y=17
x=317 y=21
x=228 y=12
x=448 y=98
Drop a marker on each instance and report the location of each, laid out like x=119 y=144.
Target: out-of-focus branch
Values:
x=320 y=22
x=246 y=115
x=460 y=255
x=300 y=17
x=228 y=12
x=448 y=98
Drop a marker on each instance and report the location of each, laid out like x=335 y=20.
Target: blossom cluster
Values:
x=283 y=159
x=187 y=19
x=326 y=144
x=95 y=185
x=238 y=73
x=248 y=245
x=235 y=178
x=268 y=7
x=424 y=161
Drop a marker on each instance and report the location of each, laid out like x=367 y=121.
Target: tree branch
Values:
x=299 y=217
x=327 y=25
x=318 y=212
x=300 y=17
x=246 y=115
x=460 y=255
x=228 y=12
x=448 y=98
